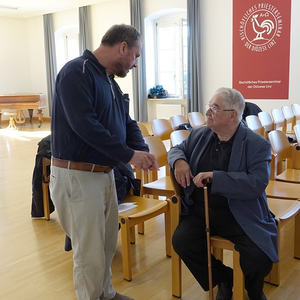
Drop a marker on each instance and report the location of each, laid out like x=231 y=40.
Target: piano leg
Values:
x=40 y=116
x=20 y=118
x=30 y=111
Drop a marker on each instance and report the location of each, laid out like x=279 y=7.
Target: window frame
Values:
x=180 y=20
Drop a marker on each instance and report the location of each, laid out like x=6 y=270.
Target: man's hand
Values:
x=182 y=173
x=201 y=179
x=143 y=160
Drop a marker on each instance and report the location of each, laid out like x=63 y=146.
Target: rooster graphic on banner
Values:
x=266 y=26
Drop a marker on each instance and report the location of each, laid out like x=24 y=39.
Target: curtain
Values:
x=195 y=101
x=85 y=41
x=50 y=57
x=139 y=73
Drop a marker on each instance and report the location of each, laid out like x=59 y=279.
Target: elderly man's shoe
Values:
x=121 y=297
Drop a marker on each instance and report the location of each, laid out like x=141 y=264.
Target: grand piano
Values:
x=21 y=102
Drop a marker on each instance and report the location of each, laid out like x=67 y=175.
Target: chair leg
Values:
x=297 y=237
x=168 y=232
x=141 y=228
x=45 y=187
x=176 y=274
x=132 y=235
x=274 y=276
x=175 y=259
x=126 y=258
x=238 y=277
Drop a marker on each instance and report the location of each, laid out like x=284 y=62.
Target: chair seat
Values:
x=283 y=209
x=283 y=190
x=289 y=175
x=145 y=207
x=160 y=187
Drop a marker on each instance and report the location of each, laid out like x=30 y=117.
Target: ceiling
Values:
x=31 y=8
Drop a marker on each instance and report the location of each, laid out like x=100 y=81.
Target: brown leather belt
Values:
x=82 y=166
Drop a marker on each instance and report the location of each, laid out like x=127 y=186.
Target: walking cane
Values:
x=211 y=292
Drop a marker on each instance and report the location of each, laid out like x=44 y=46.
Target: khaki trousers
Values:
x=87 y=209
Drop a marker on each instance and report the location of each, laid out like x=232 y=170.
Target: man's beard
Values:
x=121 y=74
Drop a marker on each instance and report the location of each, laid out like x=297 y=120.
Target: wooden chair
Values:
x=143 y=128
x=285 y=211
x=45 y=187
x=162 y=128
x=218 y=244
x=145 y=209
x=284 y=151
x=177 y=120
x=254 y=124
x=266 y=121
x=289 y=118
x=196 y=119
x=178 y=136
x=279 y=119
x=297 y=133
x=296 y=111
x=158 y=186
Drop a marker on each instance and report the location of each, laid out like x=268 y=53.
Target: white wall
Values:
x=14 y=52
x=65 y=18
x=154 y=6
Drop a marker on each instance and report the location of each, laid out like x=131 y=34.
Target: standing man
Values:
x=92 y=132
x=236 y=160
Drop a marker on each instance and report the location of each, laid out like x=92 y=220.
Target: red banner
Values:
x=261 y=48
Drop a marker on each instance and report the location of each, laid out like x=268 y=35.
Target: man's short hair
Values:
x=233 y=99
x=120 y=33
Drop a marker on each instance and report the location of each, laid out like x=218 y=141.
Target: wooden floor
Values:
x=34 y=265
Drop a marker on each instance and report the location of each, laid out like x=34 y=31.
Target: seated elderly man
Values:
x=237 y=162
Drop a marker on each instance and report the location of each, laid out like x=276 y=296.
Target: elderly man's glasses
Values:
x=214 y=109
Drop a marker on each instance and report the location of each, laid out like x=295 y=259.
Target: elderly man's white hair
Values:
x=233 y=99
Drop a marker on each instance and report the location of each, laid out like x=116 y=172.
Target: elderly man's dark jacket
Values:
x=243 y=184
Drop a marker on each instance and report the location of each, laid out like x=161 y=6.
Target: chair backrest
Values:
x=254 y=124
x=143 y=128
x=279 y=119
x=196 y=119
x=177 y=120
x=162 y=128
x=158 y=149
x=178 y=136
x=297 y=133
x=280 y=146
x=296 y=110
x=266 y=121
x=289 y=115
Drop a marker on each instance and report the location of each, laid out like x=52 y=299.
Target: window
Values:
x=67 y=45
x=170 y=54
